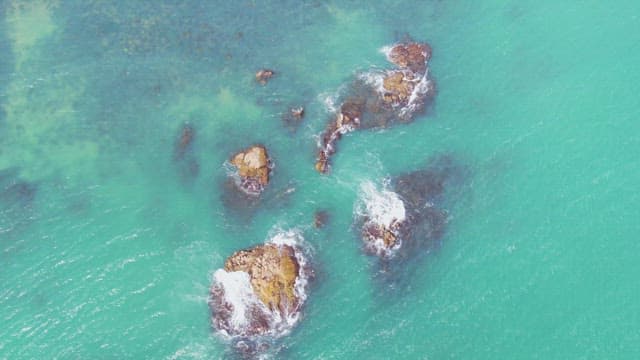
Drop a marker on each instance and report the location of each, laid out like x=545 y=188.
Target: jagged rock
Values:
x=398 y=86
x=263 y=75
x=260 y=291
x=412 y=56
x=346 y=121
x=273 y=270
x=254 y=166
x=377 y=99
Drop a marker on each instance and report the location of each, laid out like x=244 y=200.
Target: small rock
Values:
x=263 y=75
x=297 y=113
x=253 y=166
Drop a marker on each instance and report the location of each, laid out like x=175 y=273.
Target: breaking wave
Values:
x=380 y=207
x=238 y=311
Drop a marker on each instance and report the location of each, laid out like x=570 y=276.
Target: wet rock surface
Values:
x=253 y=167
x=380 y=98
x=320 y=218
x=260 y=291
x=410 y=55
x=292 y=118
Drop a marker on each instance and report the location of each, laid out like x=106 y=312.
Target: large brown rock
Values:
x=260 y=290
x=253 y=165
x=273 y=270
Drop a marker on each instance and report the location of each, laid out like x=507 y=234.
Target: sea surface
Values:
x=109 y=240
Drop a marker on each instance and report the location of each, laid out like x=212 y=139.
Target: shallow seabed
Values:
x=108 y=244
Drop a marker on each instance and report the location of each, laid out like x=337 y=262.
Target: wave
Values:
x=382 y=212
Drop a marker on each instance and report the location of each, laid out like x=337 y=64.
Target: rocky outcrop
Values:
x=377 y=99
x=412 y=56
x=253 y=169
x=273 y=270
x=406 y=216
x=260 y=291
x=347 y=120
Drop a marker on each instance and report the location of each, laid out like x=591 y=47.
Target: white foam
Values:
x=380 y=208
x=294 y=239
x=329 y=101
x=386 y=50
x=375 y=79
x=239 y=294
x=383 y=207
x=420 y=91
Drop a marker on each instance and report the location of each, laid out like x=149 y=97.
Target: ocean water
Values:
x=108 y=242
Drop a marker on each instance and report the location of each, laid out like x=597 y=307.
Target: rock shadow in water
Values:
x=17 y=199
x=184 y=155
x=425 y=194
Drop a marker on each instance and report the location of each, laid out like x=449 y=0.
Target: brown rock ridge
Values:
x=404 y=91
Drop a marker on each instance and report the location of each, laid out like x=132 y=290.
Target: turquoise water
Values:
x=108 y=245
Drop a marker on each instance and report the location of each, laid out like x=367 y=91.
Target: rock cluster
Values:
x=378 y=99
x=253 y=168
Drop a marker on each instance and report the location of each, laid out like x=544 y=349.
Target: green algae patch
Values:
x=29 y=22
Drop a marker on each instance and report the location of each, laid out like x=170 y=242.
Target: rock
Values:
x=412 y=56
x=260 y=291
x=320 y=218
x=398 y=86
x=254 y=166
x=273 y=270
x=263 y=75
x=297 y=113
x=346 y=121
x=377 y=99
x=293 y=118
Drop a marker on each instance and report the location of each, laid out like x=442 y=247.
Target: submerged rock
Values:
x=183 y=152
x=263 y=75
x=187 y=134
x=253 y=168
x=320 y=218
x=292 y=118
x=377 y=99
x=261 y=290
